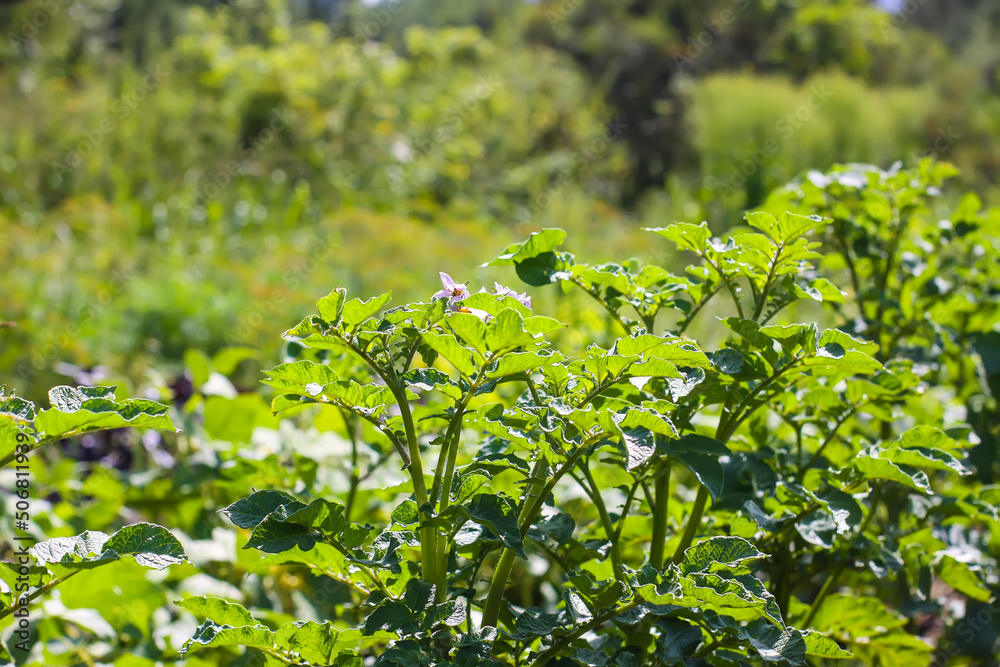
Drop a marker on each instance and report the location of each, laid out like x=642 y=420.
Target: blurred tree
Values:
x=955 y=21
x=637 y=53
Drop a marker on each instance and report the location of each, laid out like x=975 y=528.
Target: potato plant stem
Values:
x=38 y=593
x=694 y=522
x=494 y=599
x=661 y=492
x=609 y=528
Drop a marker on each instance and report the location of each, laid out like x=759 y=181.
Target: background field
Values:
x=187 y=175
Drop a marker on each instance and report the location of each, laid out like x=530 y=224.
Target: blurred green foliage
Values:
x=171 y=168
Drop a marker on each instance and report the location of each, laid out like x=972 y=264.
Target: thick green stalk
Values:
x=449 y=471
x=494 y=599
x=602 y=510
x=428 y=536
x=661 y=494
x=450 y=442
x=694 y=522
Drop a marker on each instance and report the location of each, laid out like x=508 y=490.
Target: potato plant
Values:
x=780 y=454
x=782 y=496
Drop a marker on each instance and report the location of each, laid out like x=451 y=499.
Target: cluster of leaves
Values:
x=37 y=568
x=750 y=482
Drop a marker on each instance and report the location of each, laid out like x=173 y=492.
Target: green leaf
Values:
x=790 y=336
x=533 y=622
x=250 y=511
x=506 y=331
x=786 y=228
x=677 y=639
x=322 y=515
x=470 y=484
x=211 y=634
x=850 y=362
x=648 y=419
x=636 y=444
x=821 y=646
x=775 y=644
x=451 y=613
x=515 y=363
x=706 y=468
x=962 y=578
x=406 y=513
x=448 y=347
x=82 y=409
x=148 y=544
x=742 y=597
x=539 y=325
x=653 y=368
x=698 y=444
x=749 y=331
x=686 y=235
x=427 y=379
x=820 y=289
x=332 y=305
x=727 y=551
x=558 y=528
x=357 y=311
x=641 y=344
x=847 y=342
x=419 y=595
x=494 y=304
x=15 y=409
x=470 y=329
x=71 y=399
x=319 y=643
x=296 y=376
x=927 y=437
x=219 y=610
x=537 y=243
x=855 y=616
x=85 y=547
x=729 y=362
x=273 y=535
x=920 y=457
x=390 y=616
x=577 y=609
x=876 y=467
x=498 y=515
